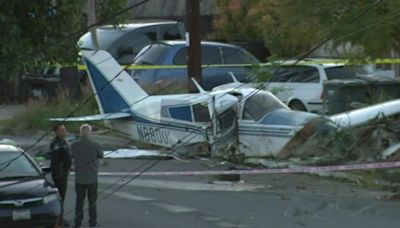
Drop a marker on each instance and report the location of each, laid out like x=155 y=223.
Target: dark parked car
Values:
x=123 y=42
x=218 y=60
x=28 y=197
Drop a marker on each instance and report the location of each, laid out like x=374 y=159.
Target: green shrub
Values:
x=38 y=113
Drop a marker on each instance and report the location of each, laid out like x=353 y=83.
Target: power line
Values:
x=176 y=145
x=35 y=52
x=370 y=25
x=337 y=31
x=224 y=94
x=324 y=41
x=90 y=97
x=8 y=163
x=254 y=92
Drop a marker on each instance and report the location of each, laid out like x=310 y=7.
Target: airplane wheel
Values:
x=298 y=106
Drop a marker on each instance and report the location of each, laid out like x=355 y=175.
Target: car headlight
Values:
x=50 y=198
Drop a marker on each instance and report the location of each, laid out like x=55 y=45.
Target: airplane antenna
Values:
x=198 y=86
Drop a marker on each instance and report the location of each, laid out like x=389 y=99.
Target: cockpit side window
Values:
x=227 y=119
x=181 y=113
x=201 y=113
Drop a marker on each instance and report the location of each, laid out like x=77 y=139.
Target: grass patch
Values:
x=36 y=116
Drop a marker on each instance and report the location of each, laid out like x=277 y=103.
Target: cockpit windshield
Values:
x=260 y=104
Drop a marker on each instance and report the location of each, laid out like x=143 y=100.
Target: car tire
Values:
x=297 y=105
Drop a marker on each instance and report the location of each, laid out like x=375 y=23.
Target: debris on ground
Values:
x=377 y=141
x=136 y=153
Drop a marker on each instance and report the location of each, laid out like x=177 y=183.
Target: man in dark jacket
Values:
x=60 y=163
x=86 y=154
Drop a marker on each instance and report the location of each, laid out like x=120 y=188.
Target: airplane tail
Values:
x=116 y=90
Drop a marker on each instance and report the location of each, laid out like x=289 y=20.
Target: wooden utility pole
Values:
x=194 y=48
x=92 y=20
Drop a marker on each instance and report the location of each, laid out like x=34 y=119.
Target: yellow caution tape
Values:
x=313 y=61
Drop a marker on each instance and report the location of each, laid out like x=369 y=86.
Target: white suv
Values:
x=300 y=85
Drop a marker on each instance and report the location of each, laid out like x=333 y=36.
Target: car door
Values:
x=174 y=71
x=212 y=75
x=234 y=60
x=305 y=87
x=177 y=74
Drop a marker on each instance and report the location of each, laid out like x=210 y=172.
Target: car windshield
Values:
x=19 y=166
x=344 y=72
x=260 y=104
x=106 y=38
x=238 y=56
x=150 y=54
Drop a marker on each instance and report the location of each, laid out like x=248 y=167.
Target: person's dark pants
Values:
x=61 y=181
x=81 y=191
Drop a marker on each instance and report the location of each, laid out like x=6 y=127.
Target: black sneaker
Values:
x=65 y=223
x=96 y=226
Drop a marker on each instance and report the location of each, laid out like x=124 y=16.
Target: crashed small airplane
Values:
x=232 y=117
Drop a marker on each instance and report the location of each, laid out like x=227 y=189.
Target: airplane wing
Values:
x=364 y=115
x=99 y=117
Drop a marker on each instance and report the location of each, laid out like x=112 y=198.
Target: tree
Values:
x=43 y=31
x=291 y=27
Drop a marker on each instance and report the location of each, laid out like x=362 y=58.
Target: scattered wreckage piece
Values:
x=349 y=134
x=376 y=141
x=364 y=115
x=136 y=153
x=392 y=152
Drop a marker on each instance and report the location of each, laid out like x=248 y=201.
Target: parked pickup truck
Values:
x=218 y=60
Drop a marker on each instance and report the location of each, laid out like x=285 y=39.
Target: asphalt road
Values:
x=261 y=201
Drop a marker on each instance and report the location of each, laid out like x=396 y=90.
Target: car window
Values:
x=298 y=74
x=237 y=56
x=284 y=74
x=308 y=75
x=344 y=72
x=151 y=54
x=21 y=165
x=170 y=33
x=260 y=104
x=132 y=46
x=105 y=37
x=209 y=56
